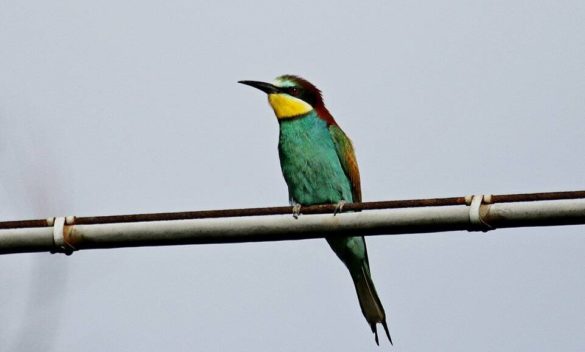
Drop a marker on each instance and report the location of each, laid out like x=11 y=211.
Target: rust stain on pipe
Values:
x=314 y=209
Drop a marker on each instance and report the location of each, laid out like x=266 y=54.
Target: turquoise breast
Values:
x=309 y=162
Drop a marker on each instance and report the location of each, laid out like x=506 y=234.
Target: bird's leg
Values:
x=338 y=207
x=296 y=210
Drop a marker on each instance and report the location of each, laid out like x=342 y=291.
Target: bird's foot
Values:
x=296 y=210
x=338 y=207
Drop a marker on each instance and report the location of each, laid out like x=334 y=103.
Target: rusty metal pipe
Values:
x=315 y=209
x=479 y=216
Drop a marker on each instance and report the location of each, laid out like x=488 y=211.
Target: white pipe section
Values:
x=36 y=239
x=276 y=227
x=285 y=227
x=542 y=213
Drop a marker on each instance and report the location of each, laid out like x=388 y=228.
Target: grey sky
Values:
x=116 y=107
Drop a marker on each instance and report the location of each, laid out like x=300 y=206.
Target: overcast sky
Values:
x=116 y=107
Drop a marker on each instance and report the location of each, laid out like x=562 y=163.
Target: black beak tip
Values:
x=263 y=86
x=248 y=83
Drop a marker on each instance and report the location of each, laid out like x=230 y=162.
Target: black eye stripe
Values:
x=300 y=93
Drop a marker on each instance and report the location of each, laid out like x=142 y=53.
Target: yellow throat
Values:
x=286 y=106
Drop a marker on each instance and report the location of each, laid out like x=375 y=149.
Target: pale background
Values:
x=114 y=107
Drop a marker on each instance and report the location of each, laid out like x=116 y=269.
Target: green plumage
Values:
x=314 y=164
x=309 y=162
x=313 y=171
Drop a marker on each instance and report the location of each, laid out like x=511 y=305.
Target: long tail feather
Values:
x=387 y=331
x=370 y=302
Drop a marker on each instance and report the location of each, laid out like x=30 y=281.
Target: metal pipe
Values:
x=314 y=209
x=543 y=213
x=285 y=227
x=38 y=239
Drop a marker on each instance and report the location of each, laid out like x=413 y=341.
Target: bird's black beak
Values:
x=263 y=86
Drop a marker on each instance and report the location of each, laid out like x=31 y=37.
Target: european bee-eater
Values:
x=319 y=166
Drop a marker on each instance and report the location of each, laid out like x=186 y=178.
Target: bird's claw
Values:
x=296 y=211
x=339 y=207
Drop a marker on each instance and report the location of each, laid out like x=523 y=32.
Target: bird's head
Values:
x=292 y=96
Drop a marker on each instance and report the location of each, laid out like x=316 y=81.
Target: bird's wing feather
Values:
x=348 y=160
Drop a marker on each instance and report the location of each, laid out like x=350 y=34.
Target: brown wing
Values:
x=348 y=160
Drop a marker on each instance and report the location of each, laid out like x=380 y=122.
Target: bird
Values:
x=319 y=166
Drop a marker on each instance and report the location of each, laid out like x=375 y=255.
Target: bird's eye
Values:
x=294 y=91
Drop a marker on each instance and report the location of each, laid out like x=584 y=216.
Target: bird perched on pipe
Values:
x=319 y=166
